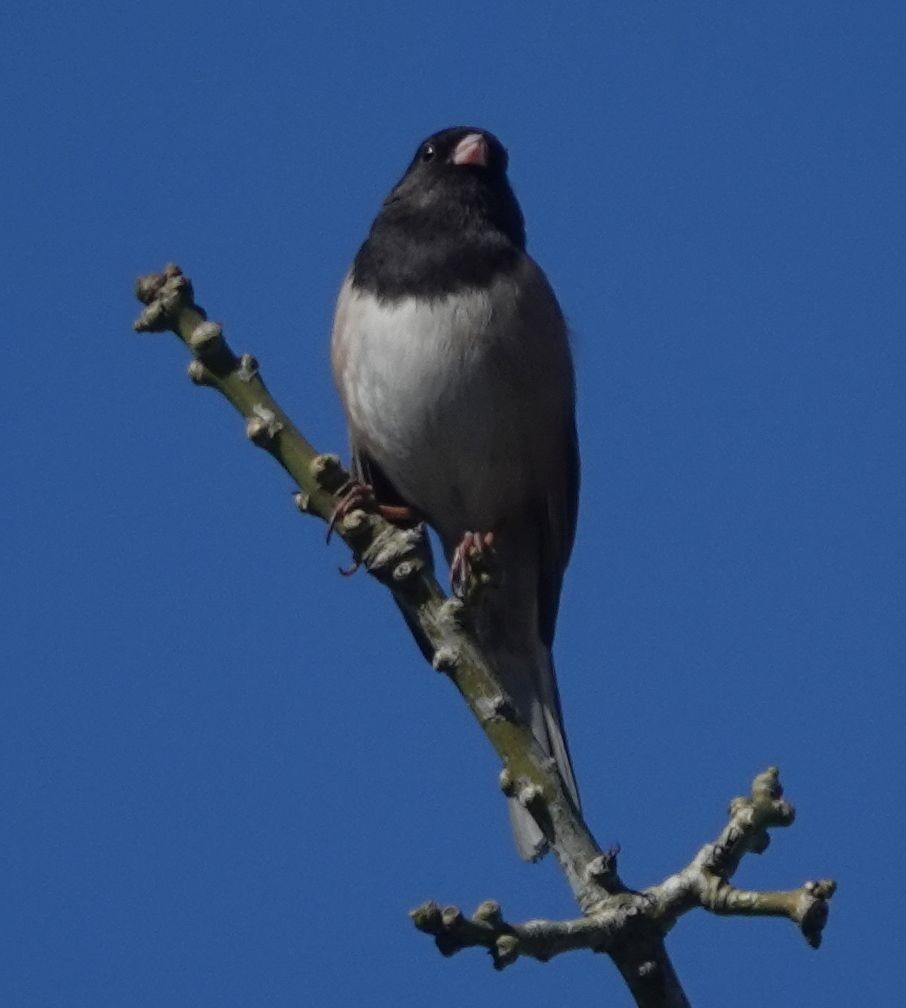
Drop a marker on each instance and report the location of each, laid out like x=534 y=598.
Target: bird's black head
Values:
x=451 y=221
x=458 y=178
x=476 y=151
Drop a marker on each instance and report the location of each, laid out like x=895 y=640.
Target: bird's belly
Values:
x=423 y=392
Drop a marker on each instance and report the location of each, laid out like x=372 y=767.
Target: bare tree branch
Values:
x=706 y=881
x=627 y=925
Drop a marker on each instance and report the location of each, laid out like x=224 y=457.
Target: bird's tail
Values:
x=529 y=680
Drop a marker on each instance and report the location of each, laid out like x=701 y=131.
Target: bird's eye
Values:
x=428 y=152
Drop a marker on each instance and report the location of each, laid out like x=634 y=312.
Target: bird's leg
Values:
x=358 y=496
x=353 y=495
x=399 y=514
x=466 y=558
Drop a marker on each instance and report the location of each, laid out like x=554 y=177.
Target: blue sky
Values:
x=226 y=774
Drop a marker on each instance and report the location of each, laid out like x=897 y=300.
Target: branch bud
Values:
x=445 y=659
x=404 y=570
x=529 y=795
x=205 y=338
x=426 y=917
x=328 y=473
x=247 y=368
x=198 y=373
x=488 y=913
x=507 y=948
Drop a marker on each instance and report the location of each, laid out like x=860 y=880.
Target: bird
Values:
x=452 y=359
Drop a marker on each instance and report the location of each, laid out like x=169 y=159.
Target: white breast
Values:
x=399 y=359
x=438 y=394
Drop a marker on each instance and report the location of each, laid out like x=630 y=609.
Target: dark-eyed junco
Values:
x=452 y=359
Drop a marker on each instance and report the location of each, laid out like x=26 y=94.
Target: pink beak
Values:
x=472 y=149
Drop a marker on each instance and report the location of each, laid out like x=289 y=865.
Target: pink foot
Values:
x=357 y=496
x=469 y=550
x=354 y=496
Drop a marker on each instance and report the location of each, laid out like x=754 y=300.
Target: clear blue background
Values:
x=226 y=773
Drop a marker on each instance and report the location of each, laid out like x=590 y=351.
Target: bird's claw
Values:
x=354 y=496
x=357 y=496
x=467 y=559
